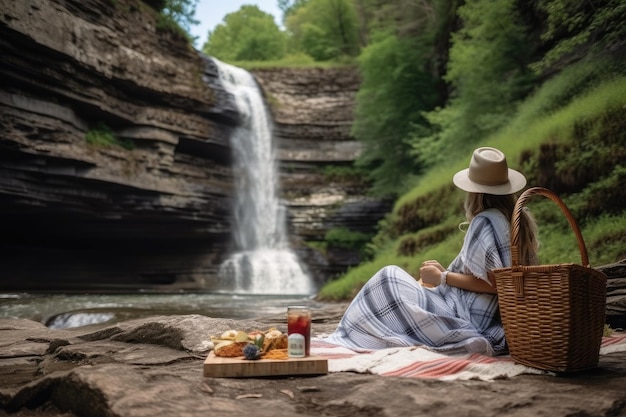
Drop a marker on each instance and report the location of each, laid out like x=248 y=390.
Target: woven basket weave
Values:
x=553 y=315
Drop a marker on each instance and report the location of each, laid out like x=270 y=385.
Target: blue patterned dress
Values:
x=393 y=309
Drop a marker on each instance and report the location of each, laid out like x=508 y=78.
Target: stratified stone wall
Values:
x=76 y=215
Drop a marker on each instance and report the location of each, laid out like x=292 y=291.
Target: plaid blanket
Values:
x=419 y=362
x=394 y=310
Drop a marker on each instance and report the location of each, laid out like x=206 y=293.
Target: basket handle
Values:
x=515 y=223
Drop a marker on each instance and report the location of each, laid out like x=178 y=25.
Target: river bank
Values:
x=153 y=366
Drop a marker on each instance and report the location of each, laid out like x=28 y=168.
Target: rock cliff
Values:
x=152 y=208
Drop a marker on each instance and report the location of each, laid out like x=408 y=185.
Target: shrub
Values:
x=103 y=136
x=342 y=237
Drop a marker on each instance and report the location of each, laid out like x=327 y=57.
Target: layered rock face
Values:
x=75 y=213
x=156 y=211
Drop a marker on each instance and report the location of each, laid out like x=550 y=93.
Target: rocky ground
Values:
x=153 y=367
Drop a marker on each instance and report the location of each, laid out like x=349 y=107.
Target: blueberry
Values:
x=251 y=352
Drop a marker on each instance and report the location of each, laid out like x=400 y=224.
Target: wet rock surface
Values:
x=153 y=367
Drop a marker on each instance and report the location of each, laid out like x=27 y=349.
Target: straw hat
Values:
x=489 y=173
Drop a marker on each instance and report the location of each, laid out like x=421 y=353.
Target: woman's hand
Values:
x=430 y=273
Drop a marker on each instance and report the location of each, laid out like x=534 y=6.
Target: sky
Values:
x=210 y=13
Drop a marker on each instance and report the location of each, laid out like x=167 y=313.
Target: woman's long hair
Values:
x=529 y=244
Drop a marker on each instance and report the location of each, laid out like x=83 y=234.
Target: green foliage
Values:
x=176 y=16
x=604 y=236
x=569 y=84
x=324 y=29
x=604 y=196
x=289 y=7
x=342 y=237
x=487 y=72
x=395 y=90
x=248 y=34
x=403 y=18
x=583 y=91
x=181 y=11
x=400 y=69
x=314 y=42
x=343 y=173
x=574 y=28
x=166 y=24
x=594 y=139
x=103 y=136
x=317 y=245
x=487 y=48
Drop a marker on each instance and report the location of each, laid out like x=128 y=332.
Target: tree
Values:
x=175 y=16
x=487 y=73
x=288 y=7
x=248 y=34
x=324 y=29
x=400 y=83
x=182 y=12
x=396 y=88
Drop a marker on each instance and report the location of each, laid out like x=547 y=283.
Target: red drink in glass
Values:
x=299 y=331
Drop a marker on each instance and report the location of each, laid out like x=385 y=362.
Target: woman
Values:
x=456 y=310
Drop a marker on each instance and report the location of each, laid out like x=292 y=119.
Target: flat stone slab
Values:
x=154 y=367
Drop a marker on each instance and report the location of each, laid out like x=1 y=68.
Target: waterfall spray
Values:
x=263 y=262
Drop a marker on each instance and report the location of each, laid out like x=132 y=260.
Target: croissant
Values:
x=229 y=349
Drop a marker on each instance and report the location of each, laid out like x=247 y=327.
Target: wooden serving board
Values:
x=218 y=367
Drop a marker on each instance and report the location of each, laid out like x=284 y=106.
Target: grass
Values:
x=605 y=239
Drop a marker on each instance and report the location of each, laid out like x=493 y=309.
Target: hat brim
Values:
x=516 y=182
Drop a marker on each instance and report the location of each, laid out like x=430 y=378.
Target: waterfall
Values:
x=263 y=262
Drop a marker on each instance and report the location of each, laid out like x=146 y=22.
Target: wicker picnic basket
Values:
x=553 y=315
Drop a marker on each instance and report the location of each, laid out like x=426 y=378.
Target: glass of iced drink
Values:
x=299 y=331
